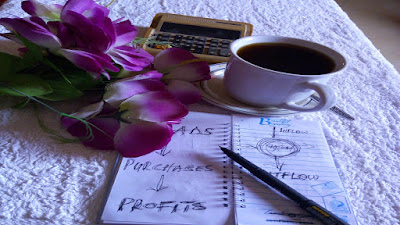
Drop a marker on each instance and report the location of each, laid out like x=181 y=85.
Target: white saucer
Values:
x=213 y=91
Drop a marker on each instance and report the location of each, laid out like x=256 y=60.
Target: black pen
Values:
x=309 y=205
x=335 y=109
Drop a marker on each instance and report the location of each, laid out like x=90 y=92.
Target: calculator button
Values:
x=159 y=36
x=165 y=37
x=224 y=52
x=212 y=51
x=213 y=44
x=189 y=41
x=225 y=44
x=214 y=41
x=176 y=44
x=201 y=39
x=187 y=46
x=199 y=49
x=189 y=38
x=178 y=38
x=200 y=42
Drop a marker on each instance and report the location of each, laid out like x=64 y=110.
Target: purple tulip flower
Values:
x=181 y=68
x=82 y=32
x=135 y=116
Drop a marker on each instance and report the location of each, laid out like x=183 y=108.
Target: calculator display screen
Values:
x=200 y=31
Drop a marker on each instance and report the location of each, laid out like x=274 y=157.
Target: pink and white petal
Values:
x=89 y=110
x=105 y=61
x=185 y=92
x=32 y=31
x=191 y=72
x=153 y=74
x=83 y=113
x=119 y=91
x=141 y=137
x=155 y=106
x=126 y=32
x=170 y=57
x=104 y=139
x=130 y=58
x=35 y=8
x=83 y=60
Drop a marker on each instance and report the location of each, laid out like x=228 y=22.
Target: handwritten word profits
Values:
x=162 y=206
x=172 y=167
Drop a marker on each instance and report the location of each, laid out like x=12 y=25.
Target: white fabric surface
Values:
x=45 y=182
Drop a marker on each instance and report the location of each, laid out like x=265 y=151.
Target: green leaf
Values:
x=82 y=80
x=27 y=84
x=34 y=54
x=8 y=65
x=54 y=67
x=61 y=91
x=22 y=104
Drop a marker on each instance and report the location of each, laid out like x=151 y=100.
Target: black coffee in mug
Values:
x=287 y=58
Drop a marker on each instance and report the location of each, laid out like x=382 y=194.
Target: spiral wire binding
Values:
x=226 y=162
x=237 y=178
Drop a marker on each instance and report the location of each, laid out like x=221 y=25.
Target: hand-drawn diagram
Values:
x=333 y=200
x=277 y=149
x=163 y=151
x=159 y=186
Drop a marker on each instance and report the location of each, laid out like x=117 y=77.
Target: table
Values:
x=45 y=182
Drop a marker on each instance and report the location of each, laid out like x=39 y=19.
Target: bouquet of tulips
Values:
x=72 y=48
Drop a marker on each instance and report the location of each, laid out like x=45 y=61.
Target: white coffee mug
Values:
x=263 y=87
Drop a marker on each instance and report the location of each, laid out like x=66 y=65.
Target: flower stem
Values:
x=88 y=125
x=110 y=3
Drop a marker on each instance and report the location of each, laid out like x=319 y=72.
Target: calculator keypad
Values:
x=198 y=45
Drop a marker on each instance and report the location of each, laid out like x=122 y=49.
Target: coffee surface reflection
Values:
x=287 y=58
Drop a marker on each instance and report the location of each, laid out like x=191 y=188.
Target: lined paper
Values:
x=297 y=153
x=186 y=182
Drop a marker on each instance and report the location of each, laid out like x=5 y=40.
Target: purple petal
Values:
x=87 y=61
x=89 y=110
x=103 y=140
x=176 y=64
x=170 y=57
x=91 y=35
x=66 y=35
x=80 y=6
x=39 y=21
x=141 y=137
x=32 y=31
x=130 y=58
x=126 y=32
x=119 y=91
x=155 y=106
x=35 y=8
x=184 y=91
x=83 y=113
x=191 y=72
x=153 y=74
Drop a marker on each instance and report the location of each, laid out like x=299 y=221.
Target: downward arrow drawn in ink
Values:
x=159 y=186
x=163 y=151
x=278 y=164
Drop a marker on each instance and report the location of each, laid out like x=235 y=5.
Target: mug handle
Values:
x=326 y=94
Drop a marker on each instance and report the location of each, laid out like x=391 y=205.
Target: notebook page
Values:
x=297 y=153
x=186 y=182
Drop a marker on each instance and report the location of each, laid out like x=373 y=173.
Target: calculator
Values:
x=207 y=39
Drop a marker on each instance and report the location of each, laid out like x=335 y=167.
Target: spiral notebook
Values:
x=191 y=181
